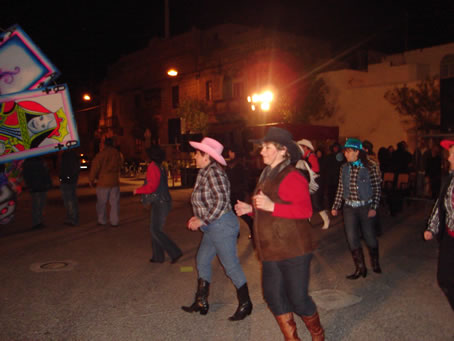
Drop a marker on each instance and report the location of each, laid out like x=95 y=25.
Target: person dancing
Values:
x=359 y=190
x=214 y=217
x=282 y=234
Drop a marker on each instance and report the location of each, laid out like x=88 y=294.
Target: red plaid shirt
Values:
x=211 y=196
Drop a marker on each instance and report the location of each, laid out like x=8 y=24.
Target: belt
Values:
x=357 y=203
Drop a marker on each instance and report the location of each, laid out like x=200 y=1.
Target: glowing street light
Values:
x=86 y=97
x=264 y=100
x=172 y=72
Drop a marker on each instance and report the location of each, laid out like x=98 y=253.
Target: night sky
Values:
x=83 y=37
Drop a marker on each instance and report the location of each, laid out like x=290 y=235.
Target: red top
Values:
x=153 y=178
x=294 y=189
x=313 y=162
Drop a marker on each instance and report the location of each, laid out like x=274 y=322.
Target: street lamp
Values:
x=86 y=97
x=263 y=100
x=172 y=72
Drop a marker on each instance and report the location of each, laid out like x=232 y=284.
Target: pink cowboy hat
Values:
x=212 y=147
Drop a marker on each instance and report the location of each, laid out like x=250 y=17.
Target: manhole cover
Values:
x=54 y=265
x=66 y=265
x=330 y=299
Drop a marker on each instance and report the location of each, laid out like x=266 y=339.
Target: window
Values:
x=447 y=67
x=175 y=96
x=153 y=97
x=209 y=90
x=238 y=90
x=137 y=101
x=139 y=146
x=227 y=87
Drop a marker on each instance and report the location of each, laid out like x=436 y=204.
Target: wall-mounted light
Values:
x=86 y=97
x=172 y=72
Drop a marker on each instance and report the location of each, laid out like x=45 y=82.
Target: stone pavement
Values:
x=95 y=283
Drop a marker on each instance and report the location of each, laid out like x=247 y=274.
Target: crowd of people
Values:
x=296 y=182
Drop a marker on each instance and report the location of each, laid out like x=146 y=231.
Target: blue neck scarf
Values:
x=357 y=163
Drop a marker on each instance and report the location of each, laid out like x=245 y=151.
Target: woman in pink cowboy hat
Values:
x=213 y=215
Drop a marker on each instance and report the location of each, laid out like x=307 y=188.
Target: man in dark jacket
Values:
x=69 y=175
x=333 y=162
x=38 y=181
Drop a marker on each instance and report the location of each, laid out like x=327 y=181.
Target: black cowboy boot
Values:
x=373 y=252
x=201 y=299
x=358 y=259
x=244 y=304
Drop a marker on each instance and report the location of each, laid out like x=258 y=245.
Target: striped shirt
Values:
x=375 y=181
x=211 y=196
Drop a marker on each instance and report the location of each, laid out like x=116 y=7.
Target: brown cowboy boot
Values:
x=288 y=326
x=315 y=328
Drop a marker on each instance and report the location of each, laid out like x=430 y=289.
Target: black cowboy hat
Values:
x=284 y=138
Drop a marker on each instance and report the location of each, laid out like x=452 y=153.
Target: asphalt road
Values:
x=95 y=283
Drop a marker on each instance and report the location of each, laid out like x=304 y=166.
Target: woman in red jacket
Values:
x=156 y=182
x=282 y=234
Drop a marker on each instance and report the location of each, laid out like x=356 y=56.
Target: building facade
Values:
x=220 y=66
x=363 y=111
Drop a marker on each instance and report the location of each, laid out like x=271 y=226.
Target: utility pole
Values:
x=166 y=20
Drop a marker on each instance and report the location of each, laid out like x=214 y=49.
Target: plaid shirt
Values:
x=434 y=220
x=375 y=181
x=211 y=196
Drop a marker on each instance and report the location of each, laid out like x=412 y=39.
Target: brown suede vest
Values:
x=279 y=238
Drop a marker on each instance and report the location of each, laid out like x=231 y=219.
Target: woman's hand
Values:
x=194 y=223
x=262 y=202
x=371 y=213
x=334 y=213
x=428 y=235
x=242 y=208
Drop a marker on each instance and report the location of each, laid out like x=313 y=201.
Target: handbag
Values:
x=149 y=198
x=158 y=195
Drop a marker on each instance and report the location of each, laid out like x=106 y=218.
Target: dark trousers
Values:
x=285 y=286
x=160 y=242
x=445 y=275
x=358 y=224
x=38 y=203
x=70 y=201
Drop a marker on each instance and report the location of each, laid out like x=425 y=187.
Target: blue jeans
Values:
x=70 y=201
x=356 y=223
x=285 y=286
x=111 y=194
x=160 y=242
x=38 y=203
x=220 y=238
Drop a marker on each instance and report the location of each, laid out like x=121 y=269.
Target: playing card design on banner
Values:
x=23 y=66
x=36 y=122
